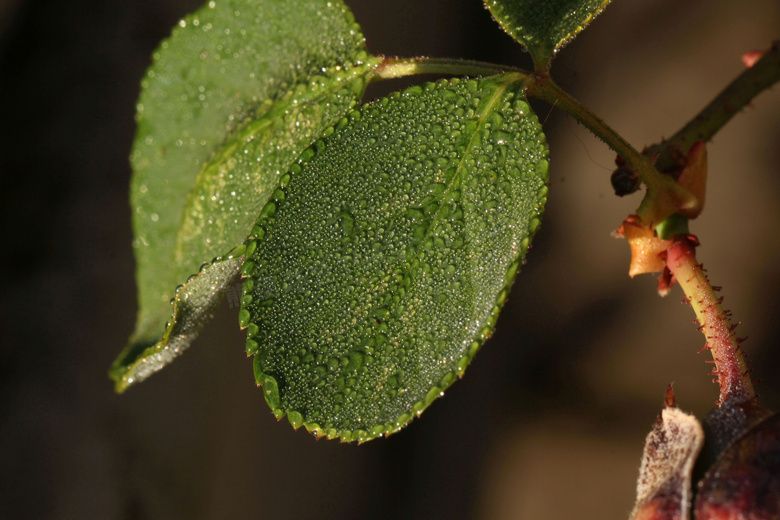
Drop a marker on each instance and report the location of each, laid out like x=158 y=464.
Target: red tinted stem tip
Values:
x=731 y=367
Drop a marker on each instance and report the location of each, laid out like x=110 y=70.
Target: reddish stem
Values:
x=730 y=365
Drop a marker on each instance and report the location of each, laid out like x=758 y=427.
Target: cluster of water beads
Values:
x=372 y=269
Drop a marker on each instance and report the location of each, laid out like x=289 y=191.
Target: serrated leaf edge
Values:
x=166 y=348
x=270 y=390
x=542 y=55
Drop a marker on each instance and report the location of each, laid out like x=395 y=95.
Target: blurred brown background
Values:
x=549 y=421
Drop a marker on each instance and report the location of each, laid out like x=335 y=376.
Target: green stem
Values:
x=391 y=68
x=664 y=196
x=544 y=88
x=738 y=94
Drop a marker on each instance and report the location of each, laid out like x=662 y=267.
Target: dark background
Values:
x=549 y=421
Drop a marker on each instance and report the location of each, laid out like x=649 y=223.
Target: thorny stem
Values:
x=738 y=94
x=731 y=367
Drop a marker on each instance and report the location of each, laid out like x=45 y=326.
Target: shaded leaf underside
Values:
x=233 y=97
x=378 y=268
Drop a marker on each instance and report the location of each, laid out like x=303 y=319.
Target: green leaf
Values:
x=378 y=268
x=544 y=26
x=232 y=98
x=192 y=306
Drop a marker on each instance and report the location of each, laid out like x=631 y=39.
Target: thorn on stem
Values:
x=669 y=398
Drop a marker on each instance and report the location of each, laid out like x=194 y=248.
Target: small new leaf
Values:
x=544 y=26
x=378 y=269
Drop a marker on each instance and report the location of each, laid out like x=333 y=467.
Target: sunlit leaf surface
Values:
x=378 y=268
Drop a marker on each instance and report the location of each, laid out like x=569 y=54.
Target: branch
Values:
x=754 y=80
x=664 y=196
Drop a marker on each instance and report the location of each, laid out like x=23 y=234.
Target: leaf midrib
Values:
x=458 y=175
x=487 y=109
x=276 y=109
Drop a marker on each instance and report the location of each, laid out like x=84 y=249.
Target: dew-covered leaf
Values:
x=192 y=305
x=379 y=266
x=544 y=26
x=232 y=98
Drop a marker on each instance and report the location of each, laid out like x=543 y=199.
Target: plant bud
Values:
x=734 y=455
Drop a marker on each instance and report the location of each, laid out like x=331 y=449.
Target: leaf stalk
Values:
x=664 y=196
x=391 y=68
